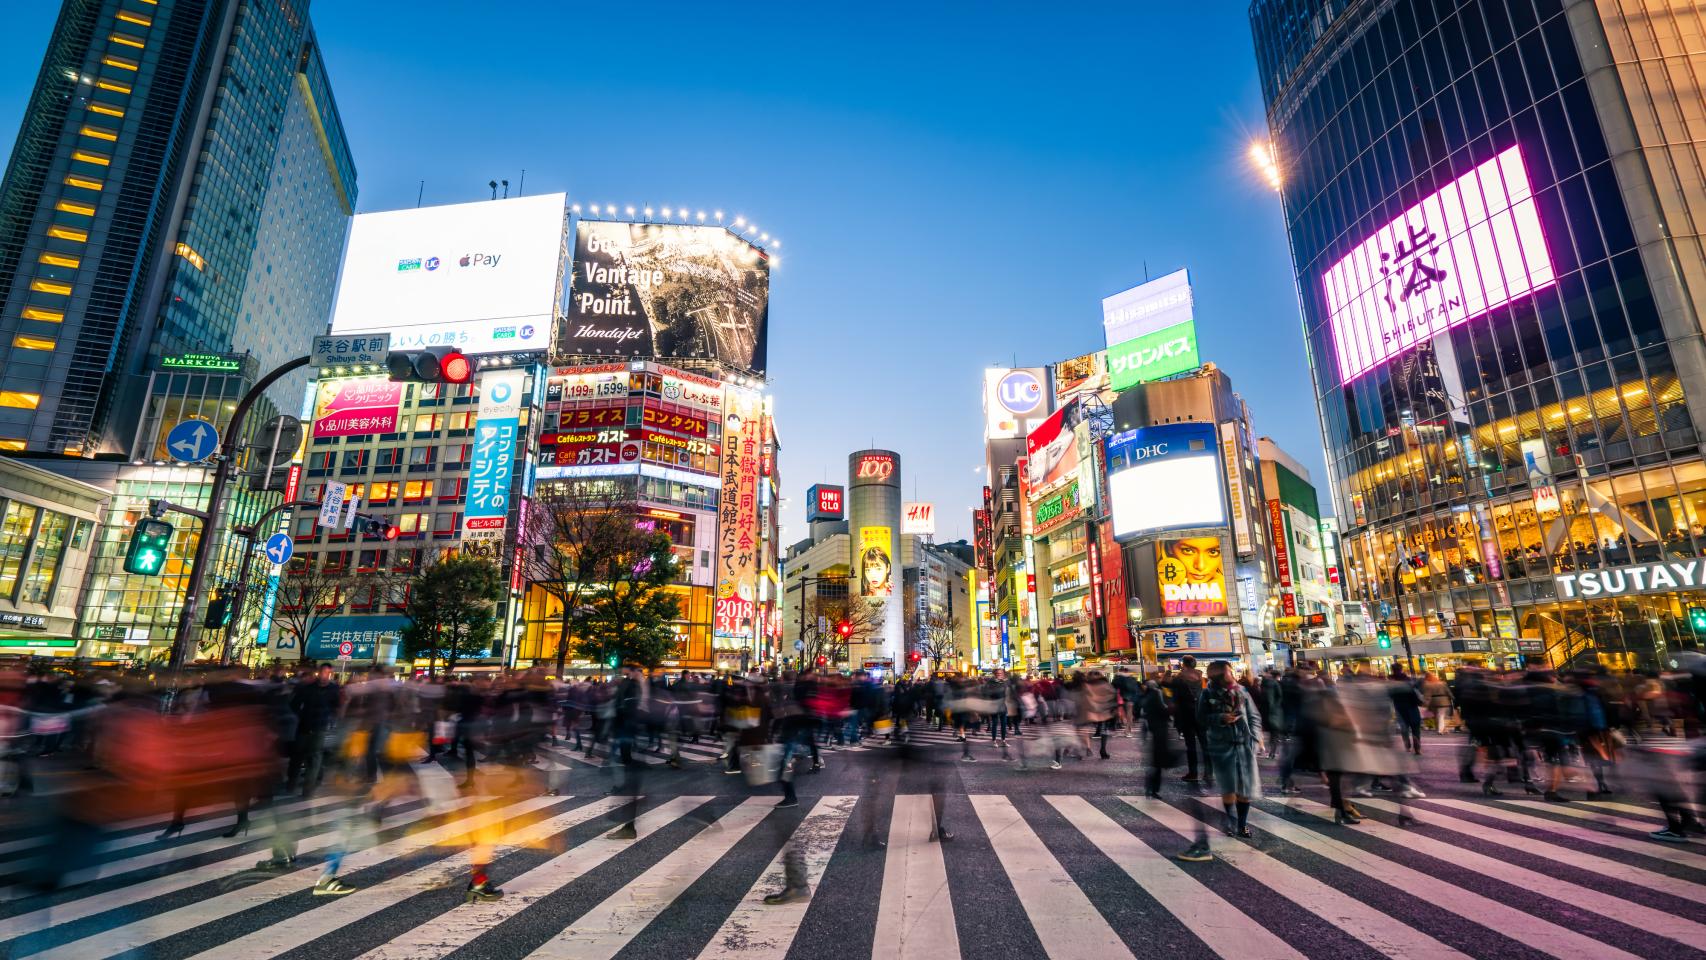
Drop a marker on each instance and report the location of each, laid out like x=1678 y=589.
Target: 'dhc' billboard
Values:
x=667 y=291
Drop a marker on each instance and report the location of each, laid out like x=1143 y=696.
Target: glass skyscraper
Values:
x=1492 y=207
x=181 y=186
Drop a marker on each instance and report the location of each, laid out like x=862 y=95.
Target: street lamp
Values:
x=1266 y=162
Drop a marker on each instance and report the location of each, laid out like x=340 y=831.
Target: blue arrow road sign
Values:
x=279 y=548
x=192 y=441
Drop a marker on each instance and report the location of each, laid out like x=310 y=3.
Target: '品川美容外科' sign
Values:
x=1662 y=577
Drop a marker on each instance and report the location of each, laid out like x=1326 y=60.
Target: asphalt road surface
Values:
x=1068 y=863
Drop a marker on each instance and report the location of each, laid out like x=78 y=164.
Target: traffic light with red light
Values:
x=844 y=629
x=375 y=527
x=432 y=365
x=822 y=661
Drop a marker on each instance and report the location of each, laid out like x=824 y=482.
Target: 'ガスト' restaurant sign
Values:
x=1663 y=577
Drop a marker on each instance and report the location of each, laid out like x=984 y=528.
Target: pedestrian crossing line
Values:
x=1656 y=817
x=1536 y=932
x=1065 y=921
x=322 y=920
x=604 y=930
x=70 y=911
x=1640 y=845
x=1657 y=922
x=1643 y=827
x=140 y=933
x=197 y=827
x=1378 y=930
x=1224 y=928
x=175 y=852
x=1636 y=876
x=757 y=930
x=192 y=817
x=461 y=926
x=915 y=915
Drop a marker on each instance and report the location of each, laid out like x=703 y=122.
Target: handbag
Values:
x=761 y=764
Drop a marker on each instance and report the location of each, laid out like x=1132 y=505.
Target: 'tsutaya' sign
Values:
x=1662 y=577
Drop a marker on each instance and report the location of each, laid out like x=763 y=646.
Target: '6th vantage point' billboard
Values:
x=667 y=291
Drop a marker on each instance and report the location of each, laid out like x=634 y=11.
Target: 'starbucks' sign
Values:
x=1152 y=356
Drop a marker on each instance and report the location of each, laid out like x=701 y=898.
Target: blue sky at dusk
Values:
x=954 y=184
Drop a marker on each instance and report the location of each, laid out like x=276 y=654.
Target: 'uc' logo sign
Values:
x=1020 y=392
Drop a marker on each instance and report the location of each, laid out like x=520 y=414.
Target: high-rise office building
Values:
x=1491 y=213
x=171 y=221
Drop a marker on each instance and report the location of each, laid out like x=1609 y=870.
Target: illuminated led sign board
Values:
x=206 y=362
x=1472 y=246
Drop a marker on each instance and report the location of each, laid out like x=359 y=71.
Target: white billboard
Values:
x=1014 y=401
x=918 y=519
x=1146 y=308
x=483 y=277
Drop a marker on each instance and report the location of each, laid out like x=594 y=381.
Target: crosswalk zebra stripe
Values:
x=1379 y=931
x=140 y=933
x=1657 y=922
x=1628 y=808
x=326 y=918
x=1640 y=845
x=756 y=930
x=1535 y=932
x=1588 y=862
x=1065 y=921
x=607 y=928
x=915 y=915
x=72 y=910
x=1226 y=930
x=197 y=827
x=461 y=926
x=1595 y=816
x=180 y=851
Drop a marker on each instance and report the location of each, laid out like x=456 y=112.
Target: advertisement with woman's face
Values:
x=876 y=562
x=1192 y=577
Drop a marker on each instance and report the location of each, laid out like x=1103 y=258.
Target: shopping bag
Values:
x=761 y=764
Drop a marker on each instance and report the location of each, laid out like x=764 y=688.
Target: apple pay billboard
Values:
x=482 y=277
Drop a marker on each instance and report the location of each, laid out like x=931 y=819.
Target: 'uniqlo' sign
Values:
x=825 y=502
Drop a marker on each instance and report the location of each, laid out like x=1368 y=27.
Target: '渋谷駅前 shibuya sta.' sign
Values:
x=1661 y=577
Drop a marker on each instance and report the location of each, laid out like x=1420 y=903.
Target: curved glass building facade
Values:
x=1494 y=211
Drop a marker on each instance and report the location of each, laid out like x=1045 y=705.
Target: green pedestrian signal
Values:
x=613 y=661
x=1383 y=639
x=1697 y=619
x=148 y=546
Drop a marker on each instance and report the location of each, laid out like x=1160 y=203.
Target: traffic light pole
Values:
x=249 y=534
x=183 y=644
x=1403 y=626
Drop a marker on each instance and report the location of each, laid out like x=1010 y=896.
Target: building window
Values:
x=421 y=458
x=44 y=315
x=45 y=562
x=19 y=399
x=16 y=525
x=417 y=490
x=414 y=524
x=381 y=492
x=60 y=260
x=354 y=460
x=24 y=341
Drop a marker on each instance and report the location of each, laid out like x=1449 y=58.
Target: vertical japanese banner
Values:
x=1117 y=618
x=1231 y=458
x=495 y=436
x=735 y=609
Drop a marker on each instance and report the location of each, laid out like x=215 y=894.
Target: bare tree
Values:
x=574 y=529
x=864 y=621
x=936 y=638
x=310 y=593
